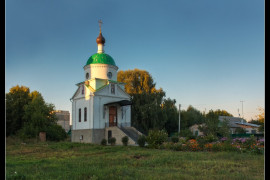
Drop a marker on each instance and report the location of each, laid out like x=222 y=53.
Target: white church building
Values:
x=100 y=106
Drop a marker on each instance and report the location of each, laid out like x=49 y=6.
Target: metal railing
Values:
x=125 y=124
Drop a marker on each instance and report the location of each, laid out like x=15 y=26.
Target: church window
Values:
x=109 y=74
x=80 y=115
x=113 y=88
x=85 y=114
x=82 y=89
x=87 y=75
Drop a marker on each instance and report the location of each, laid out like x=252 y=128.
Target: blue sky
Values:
x=204 y=53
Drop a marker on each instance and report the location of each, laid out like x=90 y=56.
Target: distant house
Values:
x=63 y=119
x=195 y=129
x=236 y=122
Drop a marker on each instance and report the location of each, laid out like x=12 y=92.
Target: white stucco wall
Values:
x=80 y=102
x=101 y=71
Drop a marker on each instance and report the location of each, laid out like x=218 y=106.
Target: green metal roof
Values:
x=101 y=58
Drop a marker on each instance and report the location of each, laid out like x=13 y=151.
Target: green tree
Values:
x=16 y=99
x=38 y=116
x=27 y=114
x=260 y=118
x=211 y=124
x=137 y=81
x=146 y=111
x=172 y=115
x=219 y=112
x=190 y=117
x=224 y=128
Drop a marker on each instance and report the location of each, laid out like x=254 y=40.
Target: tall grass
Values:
x=65 y=160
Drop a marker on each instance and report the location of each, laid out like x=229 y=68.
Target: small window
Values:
x=87 y=75
x=81 y=137
x=253 y=131
x=80 y=115
x=82 y=89
x=113 y=88
x=85 y=114
x=109 y=74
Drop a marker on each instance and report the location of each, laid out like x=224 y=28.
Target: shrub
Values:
x=177 y=147
x=112 y=141
x=103 y=142
x=257 y=150
x=201 y=141
x=261 y=141
x=141 y=140
x=175 y=139
x=208 y=147
x=226 y=146
x=187 y=133
x=182 y=140
x=55 y=133
x=216 y=147
x=192 y=145
x=156 y=137
x=125 y=140
x=210 y=138
x=250 y=142
x=166 y=145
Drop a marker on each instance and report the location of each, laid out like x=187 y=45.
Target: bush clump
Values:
x=125 y=140
x=175 y=139
x=55 y=133
x=141 y=140
x=156 y=137
x=103 y=142
x=112 y=141
x=187 y=134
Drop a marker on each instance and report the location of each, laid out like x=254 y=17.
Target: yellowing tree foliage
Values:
x=260 y=116
x=150 y=109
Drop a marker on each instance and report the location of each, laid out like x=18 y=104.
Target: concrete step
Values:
x=132 y=133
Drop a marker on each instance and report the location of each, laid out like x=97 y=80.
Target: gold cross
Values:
x=100 y=22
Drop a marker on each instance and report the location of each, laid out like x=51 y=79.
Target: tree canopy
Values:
x=150 y=108
x=16 y=99
x=27 y=113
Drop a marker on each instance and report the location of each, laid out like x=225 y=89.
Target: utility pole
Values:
x=242 y=110
x=179 y=120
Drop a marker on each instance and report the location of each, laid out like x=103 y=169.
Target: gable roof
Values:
x=232 y=120
x=236 y=121
x=75 y=92
x=248 y=124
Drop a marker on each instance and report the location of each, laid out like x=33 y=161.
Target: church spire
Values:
x=100 y=39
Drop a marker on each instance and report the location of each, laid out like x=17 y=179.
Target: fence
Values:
x=246 y=135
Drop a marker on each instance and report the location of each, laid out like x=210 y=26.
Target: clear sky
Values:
x=204 y=53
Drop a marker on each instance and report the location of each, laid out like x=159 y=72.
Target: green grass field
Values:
x=66 y=160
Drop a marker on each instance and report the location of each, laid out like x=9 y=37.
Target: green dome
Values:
x=101 y=58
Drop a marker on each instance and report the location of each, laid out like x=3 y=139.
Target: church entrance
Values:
x=112 y=116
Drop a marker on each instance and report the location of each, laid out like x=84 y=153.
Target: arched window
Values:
x=82 y=89
x=113 y=88
x=85 y=114
x=80 y=115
